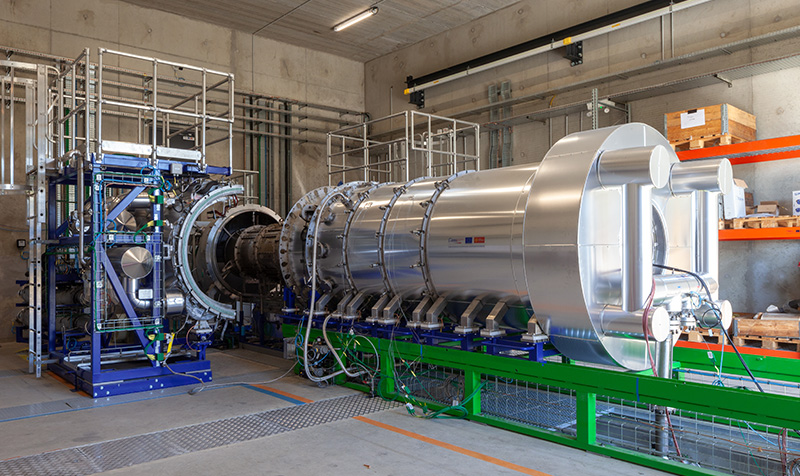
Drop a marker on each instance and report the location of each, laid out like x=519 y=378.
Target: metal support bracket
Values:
x=468 y=317
x=342 y=305
x=321 y=303
x=416 y=98
x=493 y=320
x=432 y=316
x=418 y=314
x=377 y=309
x=534 y=333
x=390 y=310
x=353 y=304
x=574 y=53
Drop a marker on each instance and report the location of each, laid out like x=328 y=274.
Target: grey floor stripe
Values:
x=11 y=373
x=83 y=403
x=124 y=452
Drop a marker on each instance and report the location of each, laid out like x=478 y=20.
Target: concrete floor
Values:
x=45 y=415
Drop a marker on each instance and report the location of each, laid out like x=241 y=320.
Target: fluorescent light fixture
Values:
x=352 y=21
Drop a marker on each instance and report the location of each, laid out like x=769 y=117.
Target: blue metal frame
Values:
x=89 y=373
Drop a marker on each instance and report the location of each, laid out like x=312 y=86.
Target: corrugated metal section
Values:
x=309 y=23
x=124 y=452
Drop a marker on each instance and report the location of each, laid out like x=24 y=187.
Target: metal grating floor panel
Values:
x=123 y=452
x=547 y=409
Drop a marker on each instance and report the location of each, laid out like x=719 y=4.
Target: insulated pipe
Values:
x=174 y=301
x=715 y=175
x=707 y=245
x=636 y=169
x=637 y=246
x=670 y=285
x=704 y=180
x=615 y=320
x=636 y=165
x=132 y=290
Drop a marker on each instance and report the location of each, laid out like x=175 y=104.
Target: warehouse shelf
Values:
x=756 y=151
x=748 y=234
x=749 y=152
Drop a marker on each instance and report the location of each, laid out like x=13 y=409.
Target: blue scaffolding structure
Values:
x=102 y=178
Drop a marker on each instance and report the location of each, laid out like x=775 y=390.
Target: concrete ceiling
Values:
x=309 y=23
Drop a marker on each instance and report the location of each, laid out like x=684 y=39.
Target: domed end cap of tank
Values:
x=659 y=324
x=136 y=262
x=659 y=166
x=725 y=176
x=726 y=313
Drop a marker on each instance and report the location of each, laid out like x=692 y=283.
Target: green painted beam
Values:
x=589 y=384
x=770 y=409
x=763 y=366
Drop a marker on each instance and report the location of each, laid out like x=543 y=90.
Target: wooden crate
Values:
x=767 y=325
x=721 y=124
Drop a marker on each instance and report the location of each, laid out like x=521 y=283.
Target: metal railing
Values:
x=425 y=145
x=248 y=179
x=209 y=103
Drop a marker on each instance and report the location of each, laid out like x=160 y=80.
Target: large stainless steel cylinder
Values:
x=572 y=239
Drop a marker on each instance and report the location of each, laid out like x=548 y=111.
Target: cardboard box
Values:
x=748 y=199
x=733 y=204
x=710 y=121
x=796 y=203
x=768 y=208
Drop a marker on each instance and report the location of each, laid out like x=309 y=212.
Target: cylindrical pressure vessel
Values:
x=572 y=239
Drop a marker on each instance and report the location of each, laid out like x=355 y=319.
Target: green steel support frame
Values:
x=588 y=383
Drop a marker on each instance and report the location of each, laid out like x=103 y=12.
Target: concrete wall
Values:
x=65 y=27
x=753 y=274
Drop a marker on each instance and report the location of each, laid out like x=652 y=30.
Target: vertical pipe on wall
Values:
x=3 y=130
x=99 y=101
x=11 y=131
x=232 y=86
x=287 y=171
x=87 y=144
x=203 y=105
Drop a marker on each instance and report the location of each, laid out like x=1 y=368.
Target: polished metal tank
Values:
x=570 y=242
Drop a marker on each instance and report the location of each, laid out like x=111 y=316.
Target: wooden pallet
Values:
x=765 y=222
x=705 y=141
x=770 y=343
x=707 y=336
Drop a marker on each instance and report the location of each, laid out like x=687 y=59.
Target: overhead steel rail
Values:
x=584 y=31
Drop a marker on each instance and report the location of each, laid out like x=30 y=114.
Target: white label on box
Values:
x=693 y=119
x=796 y=203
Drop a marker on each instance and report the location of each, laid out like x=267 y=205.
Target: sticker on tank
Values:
x=464 y=241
